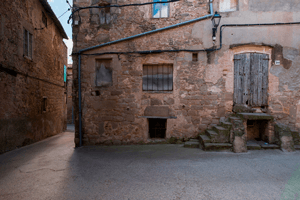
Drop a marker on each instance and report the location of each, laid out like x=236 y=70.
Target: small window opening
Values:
x=160 y=10
x=195 y=57
x=97 y=93
x=44 y=104
x=44 y=19
x=27 y=42
x=104 y=14
x=157 y=128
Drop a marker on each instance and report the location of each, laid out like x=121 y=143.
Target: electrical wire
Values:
x=118 y=6
x=68 y=3
x=199 y=50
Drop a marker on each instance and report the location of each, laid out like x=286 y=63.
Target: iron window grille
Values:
x=158 y=77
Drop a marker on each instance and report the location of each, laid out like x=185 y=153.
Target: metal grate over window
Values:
x=158 y=77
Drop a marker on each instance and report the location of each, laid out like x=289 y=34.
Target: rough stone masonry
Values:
x=119 y=101
x=32 y=59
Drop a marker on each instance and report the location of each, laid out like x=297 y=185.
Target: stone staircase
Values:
x=220 y=137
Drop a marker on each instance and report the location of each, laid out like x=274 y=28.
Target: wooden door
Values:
x=251 y=79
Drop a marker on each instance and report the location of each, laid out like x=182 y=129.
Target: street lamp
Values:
x=216 y=21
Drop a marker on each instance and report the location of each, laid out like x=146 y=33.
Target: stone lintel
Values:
x=255 y=116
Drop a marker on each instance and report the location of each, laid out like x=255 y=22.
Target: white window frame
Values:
x=160 y=10
x=27 y=43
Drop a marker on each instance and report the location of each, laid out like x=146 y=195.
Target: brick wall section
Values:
x=22 y=120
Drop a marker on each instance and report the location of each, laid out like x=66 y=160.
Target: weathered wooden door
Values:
x=251 y=79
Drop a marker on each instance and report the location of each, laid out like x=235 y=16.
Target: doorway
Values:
x=251 y=79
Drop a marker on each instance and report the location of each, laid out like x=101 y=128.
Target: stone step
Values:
x=193 y=140
x=270 y=146
x=217 y=146
x=204 y=139
x=223 y=134
x=226 y=125
x=252 y=145
x=297 y=147
x=219 y=129
x=234 y=118
x=191 y=144
x=211 y=134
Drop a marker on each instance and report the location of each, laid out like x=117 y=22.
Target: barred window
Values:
x=27 y=44
x=158 y=77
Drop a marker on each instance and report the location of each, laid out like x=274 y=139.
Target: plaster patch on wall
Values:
x=213 y=74
x=228 y=106
x=273 y=84
x=214 y=89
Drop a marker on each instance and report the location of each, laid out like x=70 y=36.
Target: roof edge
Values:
x=52 y=15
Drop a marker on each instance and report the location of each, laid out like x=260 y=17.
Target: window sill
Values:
x=158 y=117
x=167 y=92
x=28 y=58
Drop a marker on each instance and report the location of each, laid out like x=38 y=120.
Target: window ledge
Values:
x=168 y=92
x=158 y=117
x=28 y=58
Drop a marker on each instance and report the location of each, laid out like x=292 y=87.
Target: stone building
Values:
x=33 y=55
x=70 y=111
x=153 y=71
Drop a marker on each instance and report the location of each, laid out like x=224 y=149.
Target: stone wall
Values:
x=32 y=97
x=202 y=88
x=69 y=94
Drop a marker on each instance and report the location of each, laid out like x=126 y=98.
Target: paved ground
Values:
x=53 y=169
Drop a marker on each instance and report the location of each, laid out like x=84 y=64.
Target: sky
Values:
x=59 y=7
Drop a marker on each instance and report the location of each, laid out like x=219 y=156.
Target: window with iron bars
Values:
x=158 y=77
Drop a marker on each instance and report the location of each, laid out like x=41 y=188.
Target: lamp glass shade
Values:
x=216 y=19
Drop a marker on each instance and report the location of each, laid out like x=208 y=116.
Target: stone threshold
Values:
x=257 y=145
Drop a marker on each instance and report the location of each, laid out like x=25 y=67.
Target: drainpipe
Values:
x=79 y=98
x=121 y=40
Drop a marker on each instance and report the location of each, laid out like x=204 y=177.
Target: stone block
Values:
x=239 y=144
x=169 y=101
x=155 y=102
x=116 y=93
x=160 y=111
x=193 y=113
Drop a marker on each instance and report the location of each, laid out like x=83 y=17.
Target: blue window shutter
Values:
x=65 y=73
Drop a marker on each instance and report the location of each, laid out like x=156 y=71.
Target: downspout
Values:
x=79 y=99
x=121 y=40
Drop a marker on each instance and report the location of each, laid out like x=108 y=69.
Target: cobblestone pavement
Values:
x=53 y=169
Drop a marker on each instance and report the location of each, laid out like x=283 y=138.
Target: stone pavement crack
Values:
x=58 y=170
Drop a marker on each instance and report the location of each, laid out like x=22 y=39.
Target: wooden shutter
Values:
x=251 y=79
